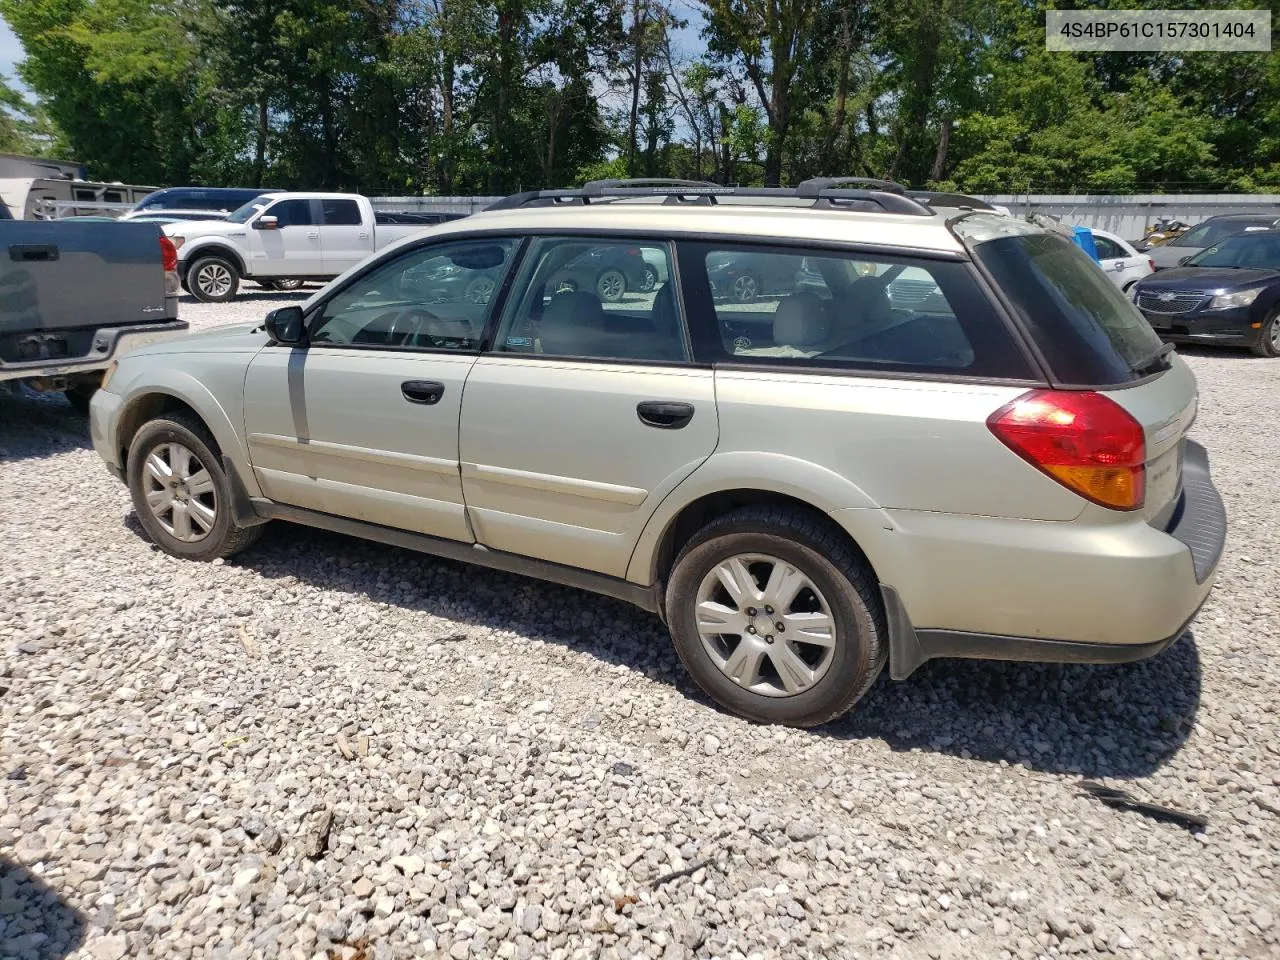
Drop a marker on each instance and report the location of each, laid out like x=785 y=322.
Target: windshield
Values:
x=1259 y=251
x=1088 y=331
x=1212 y=231
x=248 y=210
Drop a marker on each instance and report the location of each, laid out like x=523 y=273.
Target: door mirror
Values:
x=266 y=223
x=285 y=325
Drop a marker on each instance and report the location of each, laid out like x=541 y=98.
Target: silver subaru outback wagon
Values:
x=832 y=429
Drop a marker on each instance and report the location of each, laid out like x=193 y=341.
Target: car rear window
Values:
x=1087 y=330
x=790 y=306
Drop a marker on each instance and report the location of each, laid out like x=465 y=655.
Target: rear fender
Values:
x=765 y=472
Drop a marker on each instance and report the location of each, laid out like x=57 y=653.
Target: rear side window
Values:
x=818 y=308
x=1107 y=249
x=341 y=213
x=1086 y=328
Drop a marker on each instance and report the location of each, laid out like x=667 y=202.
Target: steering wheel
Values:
x=409 y=325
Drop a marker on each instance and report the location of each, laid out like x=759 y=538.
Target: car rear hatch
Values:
x=1091 y=339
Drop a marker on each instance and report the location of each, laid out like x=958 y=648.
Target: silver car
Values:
x=807 y=486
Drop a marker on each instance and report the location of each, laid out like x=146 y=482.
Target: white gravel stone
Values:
x=535 y=749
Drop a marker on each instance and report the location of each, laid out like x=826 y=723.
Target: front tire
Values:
x=213 y=279
x=776 y=616
x=1268 y=344
x=181 y=493
x=746 y=287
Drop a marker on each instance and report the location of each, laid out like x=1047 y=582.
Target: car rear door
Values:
x=362 y=421
x=345 y=237
x=583 y=415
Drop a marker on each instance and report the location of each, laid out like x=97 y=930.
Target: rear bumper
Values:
x=108 y=344
x=1105 y=588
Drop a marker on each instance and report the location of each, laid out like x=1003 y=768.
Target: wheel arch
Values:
x=715 y=488
x=214 y=248
x=182 y=393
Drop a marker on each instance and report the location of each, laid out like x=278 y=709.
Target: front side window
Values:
x=594 y=298
x=433 y=298
x=830 y=309
x=292 y=213
x=341 y=213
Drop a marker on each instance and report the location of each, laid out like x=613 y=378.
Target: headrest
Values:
x=869 y=297
x=800 y=321
x=571 y=324
x=665 y=319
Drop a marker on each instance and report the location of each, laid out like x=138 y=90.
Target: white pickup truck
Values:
x=280 y=238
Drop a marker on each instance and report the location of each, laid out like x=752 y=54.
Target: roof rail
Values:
x=942 y=199
x=825 y=194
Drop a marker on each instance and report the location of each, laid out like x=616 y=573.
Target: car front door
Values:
x=362 y=421
x=290 y=247
x=583 y=415
x=345 y=237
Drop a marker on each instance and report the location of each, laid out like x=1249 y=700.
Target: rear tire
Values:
x=776 y=677
x=180 y=492
x=1268 y=344
x=611 y=285
x=213 y=279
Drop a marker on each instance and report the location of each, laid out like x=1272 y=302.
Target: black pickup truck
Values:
x=73 y=296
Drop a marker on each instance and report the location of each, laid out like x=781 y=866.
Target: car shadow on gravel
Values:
x=34 y=425
x=1120 y=721
x=34 y=920
x=1097 y=721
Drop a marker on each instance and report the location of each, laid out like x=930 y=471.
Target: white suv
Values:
x=930 y=433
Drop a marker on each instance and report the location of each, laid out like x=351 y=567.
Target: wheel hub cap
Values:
x=765 y=624
x=179 y=492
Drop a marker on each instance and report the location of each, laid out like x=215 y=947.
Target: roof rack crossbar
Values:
x=657 y=185
x=815 y=185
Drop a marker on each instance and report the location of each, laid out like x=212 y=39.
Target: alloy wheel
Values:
x=180 y=492
x=765 y=625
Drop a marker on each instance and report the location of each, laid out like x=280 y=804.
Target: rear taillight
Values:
x=168 y=254
x=1085 y=441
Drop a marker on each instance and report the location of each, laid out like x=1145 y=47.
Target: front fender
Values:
x=801 y=480
x=221 y=422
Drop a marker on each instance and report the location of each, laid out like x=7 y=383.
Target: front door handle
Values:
x=426 y=392
x=313 y=235
x=664 y=414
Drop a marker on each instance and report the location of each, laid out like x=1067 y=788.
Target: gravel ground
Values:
x=327 y=748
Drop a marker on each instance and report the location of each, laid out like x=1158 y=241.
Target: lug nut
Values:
x=768 y=638
x=769 y=611
x=751 y=629
x=751 y=611
x=781 y=627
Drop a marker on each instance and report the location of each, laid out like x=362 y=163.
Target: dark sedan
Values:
x=1227 y=294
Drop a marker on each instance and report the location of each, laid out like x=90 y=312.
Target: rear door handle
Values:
x=426 y=392
x=664 y=414
x=313 y=235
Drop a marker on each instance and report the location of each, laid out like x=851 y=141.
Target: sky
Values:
x=10 y=52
